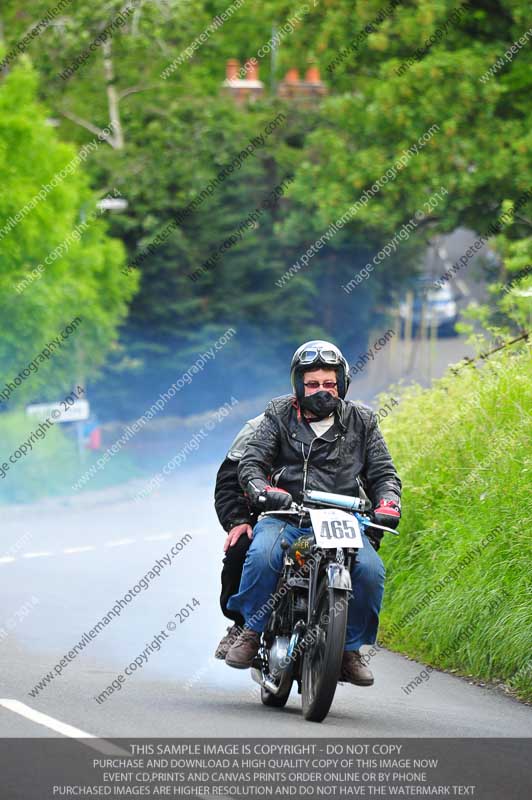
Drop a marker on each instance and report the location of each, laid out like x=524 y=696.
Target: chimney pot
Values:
x=232 y=69
x=252 y=69
x=292 y=76
x=313 y=74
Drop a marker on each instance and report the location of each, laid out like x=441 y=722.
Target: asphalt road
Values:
x=63 y=566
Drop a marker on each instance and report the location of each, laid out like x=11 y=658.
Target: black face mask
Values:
x=320 y=404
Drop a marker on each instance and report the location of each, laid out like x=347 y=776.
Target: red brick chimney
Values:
x=232 y=69
x=292 y=76
x=252 y=69
x=306 y=91
x=313 y=74
x=245 y=88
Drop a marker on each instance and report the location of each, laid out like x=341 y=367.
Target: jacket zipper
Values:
x=305 y=462
x=276 y=476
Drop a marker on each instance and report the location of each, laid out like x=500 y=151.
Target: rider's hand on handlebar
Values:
x=387 y=513
x=276 y=499
x=268 y=498
x=235 y=533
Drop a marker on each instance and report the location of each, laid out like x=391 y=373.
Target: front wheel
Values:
x=322 y=660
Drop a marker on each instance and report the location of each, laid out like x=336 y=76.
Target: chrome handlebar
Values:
x=299 y=509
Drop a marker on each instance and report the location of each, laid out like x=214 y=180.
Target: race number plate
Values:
x=335 y=528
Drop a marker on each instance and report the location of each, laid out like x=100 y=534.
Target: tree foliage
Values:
x=387 y=87
x=46 y=203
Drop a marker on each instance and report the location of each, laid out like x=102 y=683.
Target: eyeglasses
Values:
x=313 y=353
x=317 y=384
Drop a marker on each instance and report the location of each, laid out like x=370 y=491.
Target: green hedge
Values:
x=458 y=590
x=53 y=464
x=45 y=469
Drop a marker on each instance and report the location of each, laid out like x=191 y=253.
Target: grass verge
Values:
x=459 y=577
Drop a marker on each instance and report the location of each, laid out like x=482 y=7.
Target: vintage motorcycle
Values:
x=305 y=635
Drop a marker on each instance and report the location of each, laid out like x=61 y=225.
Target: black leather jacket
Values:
x=230 y=502
x=285 y=452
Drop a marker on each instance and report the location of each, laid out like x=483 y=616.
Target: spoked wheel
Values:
x=275 y=700
x=323 y=657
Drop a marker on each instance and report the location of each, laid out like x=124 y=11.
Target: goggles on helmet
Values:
x=312 y=354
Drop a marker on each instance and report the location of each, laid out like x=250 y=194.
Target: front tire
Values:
x=322 y=660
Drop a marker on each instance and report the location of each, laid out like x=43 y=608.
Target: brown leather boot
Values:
x=354 y=671
x=244 y=650
x=230 y=638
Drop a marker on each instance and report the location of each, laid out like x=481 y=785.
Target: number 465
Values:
x=337 y=529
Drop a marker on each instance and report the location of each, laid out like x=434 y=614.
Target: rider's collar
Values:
x=339 y=412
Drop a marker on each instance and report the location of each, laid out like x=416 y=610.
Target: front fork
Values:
x=338 y=577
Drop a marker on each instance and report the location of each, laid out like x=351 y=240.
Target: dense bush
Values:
x=458 y=587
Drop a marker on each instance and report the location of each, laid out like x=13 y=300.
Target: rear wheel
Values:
x=322 y=660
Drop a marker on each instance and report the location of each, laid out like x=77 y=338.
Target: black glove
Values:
x=387 y=513
x=268 y=498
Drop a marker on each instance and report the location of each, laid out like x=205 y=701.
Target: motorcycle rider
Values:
x=314 y=440
x=237 y=518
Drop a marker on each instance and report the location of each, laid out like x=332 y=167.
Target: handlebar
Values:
x=317 y=499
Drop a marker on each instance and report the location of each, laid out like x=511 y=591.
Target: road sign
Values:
x=112 y=204
x=60 y=412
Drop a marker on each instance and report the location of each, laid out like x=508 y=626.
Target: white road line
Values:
x=87 y=548
x=36 y=555
x=60 y=727
x=119 y=542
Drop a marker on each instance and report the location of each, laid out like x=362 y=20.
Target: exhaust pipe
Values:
x=265 y=682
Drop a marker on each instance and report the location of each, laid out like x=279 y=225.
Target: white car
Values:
x=440 y=307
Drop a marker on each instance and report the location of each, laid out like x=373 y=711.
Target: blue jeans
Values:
x=263 y=565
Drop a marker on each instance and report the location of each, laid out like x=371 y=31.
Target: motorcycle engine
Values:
x=300 y=550
x=277 y=655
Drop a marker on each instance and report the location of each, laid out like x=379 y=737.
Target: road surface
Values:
x=68 y=564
